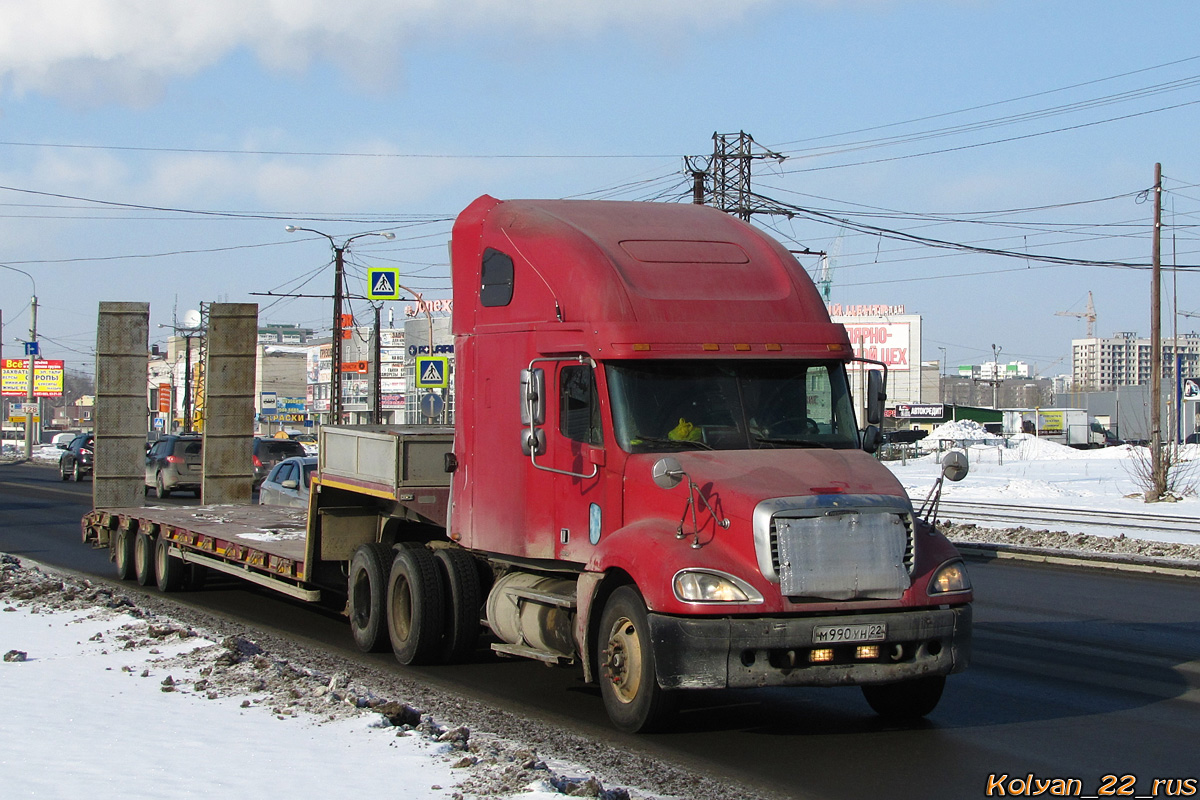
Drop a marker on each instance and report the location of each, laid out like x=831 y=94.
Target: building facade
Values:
x=1124 y=360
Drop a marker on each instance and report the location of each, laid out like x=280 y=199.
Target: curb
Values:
x=1153 y=565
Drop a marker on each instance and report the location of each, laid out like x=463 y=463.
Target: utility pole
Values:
x=32 y=354
x=376 y=359
x=335 y=344
x=1158 y=468
x=996 y=376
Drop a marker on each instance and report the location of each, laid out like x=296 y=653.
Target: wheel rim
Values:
x=402 y=604
x=139 y=550
x=160 y=558
x=623 y=660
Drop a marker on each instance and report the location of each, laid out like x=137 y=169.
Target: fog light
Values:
x=818 y=656
x=866 y=651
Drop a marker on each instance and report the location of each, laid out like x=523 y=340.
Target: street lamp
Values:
x=335 y=378
x=31 y=351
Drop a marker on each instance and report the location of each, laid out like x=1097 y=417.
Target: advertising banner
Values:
x=47 y=377
x=888 y=342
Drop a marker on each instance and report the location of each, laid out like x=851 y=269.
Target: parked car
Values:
x=288 y=483
x=1192 y=438
x=269 y=452
x=175 y=462
x=76 y=458
x=309 y=441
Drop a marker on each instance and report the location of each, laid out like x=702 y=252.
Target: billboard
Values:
x=889 y=342
x=47 y=377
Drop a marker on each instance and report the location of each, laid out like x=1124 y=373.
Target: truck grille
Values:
x=845 y=548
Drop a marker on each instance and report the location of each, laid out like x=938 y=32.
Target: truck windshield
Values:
x=662 y=406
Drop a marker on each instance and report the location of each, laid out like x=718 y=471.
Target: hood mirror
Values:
x=667 y=472
x=955 y=465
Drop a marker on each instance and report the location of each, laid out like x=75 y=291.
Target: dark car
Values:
x=269 y=452
x=76 y=458
x=288 y=483
x=175 y=462
x=1192 y=438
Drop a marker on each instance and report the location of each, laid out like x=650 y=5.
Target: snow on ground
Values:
x=103 y=699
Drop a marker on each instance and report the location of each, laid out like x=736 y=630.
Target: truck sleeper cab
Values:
x=675 y=491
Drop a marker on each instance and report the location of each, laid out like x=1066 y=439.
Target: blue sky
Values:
x=358 y=116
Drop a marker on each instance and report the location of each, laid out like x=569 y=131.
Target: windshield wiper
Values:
x=680 y=442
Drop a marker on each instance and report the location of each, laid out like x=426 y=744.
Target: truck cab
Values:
x=656 y=449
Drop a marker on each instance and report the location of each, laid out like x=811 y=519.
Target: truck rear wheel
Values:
x=464 y=593
x=906 y=700
x=143 y=559
x=366 y=588
x=632 y=697
x=123 y=556
x=168 y=570
x=415 y=614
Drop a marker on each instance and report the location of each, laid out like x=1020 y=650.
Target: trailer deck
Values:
x=263 y=544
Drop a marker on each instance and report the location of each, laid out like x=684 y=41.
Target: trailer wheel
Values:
x=168 y=570
x=123 y=554
x=632 y=697
x=906 y=700
x=366 y=589
x=464 y=597
x=143 y=559
x=415 y=606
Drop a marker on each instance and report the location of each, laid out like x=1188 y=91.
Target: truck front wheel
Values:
x=906 y=700
x=366 y=595
x=415 y=614
x=632 y=697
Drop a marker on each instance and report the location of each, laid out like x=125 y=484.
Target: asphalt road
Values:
x=1077 y=674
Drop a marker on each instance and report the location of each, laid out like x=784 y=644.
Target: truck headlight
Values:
x=950 y=577
x=711 y=586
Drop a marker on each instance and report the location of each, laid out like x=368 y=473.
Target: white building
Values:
x=1124 y=360
x=887 y=334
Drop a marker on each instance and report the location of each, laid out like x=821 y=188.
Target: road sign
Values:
x=31 y=349
x=269 y=401
x=432 y=405
x=1191 y=388
x=433 y=372
x=383 y=283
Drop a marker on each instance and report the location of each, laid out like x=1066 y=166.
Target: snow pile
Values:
x=1026 y=447
x=962 y=430
x=82 y=657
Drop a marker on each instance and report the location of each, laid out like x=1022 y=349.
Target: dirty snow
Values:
x=105 y=699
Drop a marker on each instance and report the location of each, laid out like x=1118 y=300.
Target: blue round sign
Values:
x=432 y=405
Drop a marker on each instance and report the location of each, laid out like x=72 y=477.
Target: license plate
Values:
x=835 y=634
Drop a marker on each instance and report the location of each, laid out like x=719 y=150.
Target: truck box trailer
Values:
x=655 y=472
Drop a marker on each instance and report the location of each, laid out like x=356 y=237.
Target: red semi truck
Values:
x=655 y=472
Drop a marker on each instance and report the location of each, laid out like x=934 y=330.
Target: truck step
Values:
x=529 y=652
x=545 y=598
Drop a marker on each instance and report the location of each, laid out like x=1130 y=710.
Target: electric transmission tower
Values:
x=728 y=173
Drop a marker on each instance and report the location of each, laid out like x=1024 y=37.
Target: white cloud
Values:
x=127 y=50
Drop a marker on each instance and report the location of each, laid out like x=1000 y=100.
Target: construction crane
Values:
x=1089 y=314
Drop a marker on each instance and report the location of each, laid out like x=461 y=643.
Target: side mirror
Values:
x=955 y=465
x=533 y=397
x=533 y=441
x=871 y=439
x=291 y=483
x=667 y=472
x=876 y=397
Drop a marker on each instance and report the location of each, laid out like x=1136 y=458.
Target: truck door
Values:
x=584 y=512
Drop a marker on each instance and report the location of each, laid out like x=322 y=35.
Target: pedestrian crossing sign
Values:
x=433 y=372
x=383 y=283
